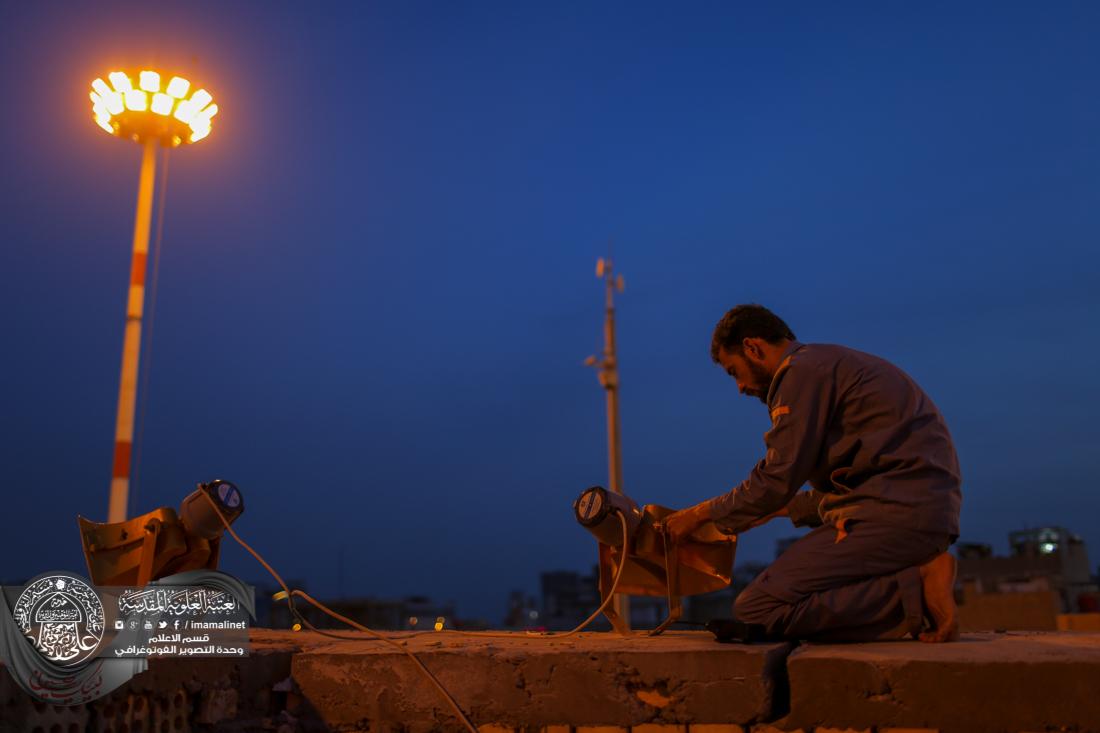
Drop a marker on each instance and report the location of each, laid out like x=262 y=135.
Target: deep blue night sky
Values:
x=377 y=283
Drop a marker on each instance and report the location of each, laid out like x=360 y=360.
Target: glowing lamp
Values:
x=136 y=100
x=162 y=104
x=139 y=107
x=119 y=80
x=149 y=81
x=178 y=87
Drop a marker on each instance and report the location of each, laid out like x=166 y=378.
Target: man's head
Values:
x=748 y=343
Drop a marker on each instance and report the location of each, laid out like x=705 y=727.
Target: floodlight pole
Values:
x=131 y=343
x=141 y=108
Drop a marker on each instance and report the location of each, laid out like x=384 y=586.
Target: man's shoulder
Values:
x=834 y=362
x=812 y=356
x=845 y=366
x=828 y=354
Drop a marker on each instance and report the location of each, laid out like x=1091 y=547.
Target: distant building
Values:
x=1046 y=574
x=1045 y=558
x=568 y=598
x=379 y=614
x=522 y=613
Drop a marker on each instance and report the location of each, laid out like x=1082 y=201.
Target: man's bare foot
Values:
x=938 y=584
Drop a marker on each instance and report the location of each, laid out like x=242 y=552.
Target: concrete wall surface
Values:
x=1021 y=611
x=680 y=682
x=1017 y=681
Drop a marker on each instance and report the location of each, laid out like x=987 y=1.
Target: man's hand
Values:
x=679 y=525
x=684 y=522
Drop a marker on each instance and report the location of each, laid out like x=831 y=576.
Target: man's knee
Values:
x=753 y=606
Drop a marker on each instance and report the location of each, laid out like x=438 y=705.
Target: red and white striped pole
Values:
x=131 y=344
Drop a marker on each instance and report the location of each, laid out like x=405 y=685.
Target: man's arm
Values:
x=764 y=520
x=686 y=521
x=800 y=414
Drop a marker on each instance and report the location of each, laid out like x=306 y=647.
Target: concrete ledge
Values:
x=600 y=683
x=1018 y=681
x=584 y=680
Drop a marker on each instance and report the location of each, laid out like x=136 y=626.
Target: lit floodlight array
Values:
x=152 y=109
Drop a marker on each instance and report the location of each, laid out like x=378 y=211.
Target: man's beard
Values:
x=763 y=377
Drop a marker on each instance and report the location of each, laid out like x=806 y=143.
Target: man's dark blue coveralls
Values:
x=886 y=496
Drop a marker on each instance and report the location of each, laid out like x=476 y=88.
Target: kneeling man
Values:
x=886 y=490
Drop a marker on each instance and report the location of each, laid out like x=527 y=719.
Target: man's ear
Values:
x=751 y=347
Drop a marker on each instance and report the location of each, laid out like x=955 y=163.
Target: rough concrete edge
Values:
x=772 y=680
x=893 y=673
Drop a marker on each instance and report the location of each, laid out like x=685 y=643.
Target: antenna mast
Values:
x=609 y=380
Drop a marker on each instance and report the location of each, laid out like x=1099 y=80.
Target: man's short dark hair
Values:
x=747 y=321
